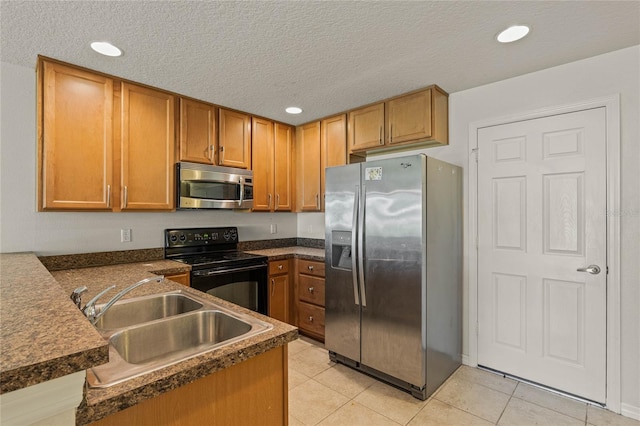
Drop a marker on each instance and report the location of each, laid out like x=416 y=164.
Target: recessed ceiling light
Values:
x=513 y=33
x=293 y=110
x=106 y=48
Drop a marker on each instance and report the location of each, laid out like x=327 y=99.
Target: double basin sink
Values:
x=152 y=332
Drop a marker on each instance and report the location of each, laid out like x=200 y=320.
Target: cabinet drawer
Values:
x=311 y=318
x=311 y=267
x=311 y=289
x=277 y=267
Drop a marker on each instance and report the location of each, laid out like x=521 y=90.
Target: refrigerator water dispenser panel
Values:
x=341 y=250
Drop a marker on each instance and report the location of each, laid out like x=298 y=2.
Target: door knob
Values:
x=592 y=269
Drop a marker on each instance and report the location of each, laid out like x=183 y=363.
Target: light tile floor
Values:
x=328 y=394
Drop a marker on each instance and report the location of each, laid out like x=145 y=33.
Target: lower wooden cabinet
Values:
x=310 y=298
x=183 y=278
x=279 y=294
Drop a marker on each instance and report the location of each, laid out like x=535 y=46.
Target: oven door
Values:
x=245 y=286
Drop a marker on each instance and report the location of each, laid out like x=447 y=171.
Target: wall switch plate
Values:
x=125 y=235
x=274 y=228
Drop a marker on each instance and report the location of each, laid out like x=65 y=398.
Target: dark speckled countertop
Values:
x=307 y=253
x=46 y=337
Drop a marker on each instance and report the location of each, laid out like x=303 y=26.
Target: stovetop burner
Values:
x=207 y=248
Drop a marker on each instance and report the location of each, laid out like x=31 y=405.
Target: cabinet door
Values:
x=262 y=152
x=76 y=139
x=409 y=118
x=366 y=127
x=197 y=132
x=234 y=139
x=279 y=297
x=333 y=144
x=308 y=166
x=148 y=144
x=282 y=167
x=183 y=278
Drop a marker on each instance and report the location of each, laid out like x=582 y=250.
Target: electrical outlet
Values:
x=274 y=228
x=125 y=235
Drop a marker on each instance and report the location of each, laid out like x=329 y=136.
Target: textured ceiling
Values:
x=324 y=56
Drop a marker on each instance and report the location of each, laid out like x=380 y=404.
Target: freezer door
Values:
x=342 y=303
x=393 y=332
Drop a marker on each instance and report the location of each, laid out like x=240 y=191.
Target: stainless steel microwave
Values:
x=201 y=186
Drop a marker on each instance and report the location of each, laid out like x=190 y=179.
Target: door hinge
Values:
x=607 y=269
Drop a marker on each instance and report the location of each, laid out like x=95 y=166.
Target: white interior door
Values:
x=541 y=218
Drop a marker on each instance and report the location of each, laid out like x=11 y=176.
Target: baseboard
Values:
x=629 y=410
x=466 y=360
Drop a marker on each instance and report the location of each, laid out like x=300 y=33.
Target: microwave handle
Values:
x=241 y=192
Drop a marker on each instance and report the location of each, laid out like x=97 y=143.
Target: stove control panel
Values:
x=200 y=236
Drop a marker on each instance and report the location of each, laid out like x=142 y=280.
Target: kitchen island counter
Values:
x=62 y=324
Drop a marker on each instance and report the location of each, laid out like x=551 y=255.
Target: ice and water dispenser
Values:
x=341 y=250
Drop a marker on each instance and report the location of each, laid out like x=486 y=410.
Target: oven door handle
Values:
x=206 y=273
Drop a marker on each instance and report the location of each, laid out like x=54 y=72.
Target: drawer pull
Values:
x=310 y=318
x=310 y=267
x=280 y=267
x=311 y=290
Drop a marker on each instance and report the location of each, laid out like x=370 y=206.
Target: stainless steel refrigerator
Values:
x=393 y=242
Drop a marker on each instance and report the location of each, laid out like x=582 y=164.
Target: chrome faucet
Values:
x=90 y=310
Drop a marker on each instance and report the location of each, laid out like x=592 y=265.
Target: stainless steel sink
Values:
x=144 y=309
x=177 y=337
x=171 y=328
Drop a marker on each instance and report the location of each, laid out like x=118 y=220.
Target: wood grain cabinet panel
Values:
x=198 y=138
x=183 y=278
x=283 y=167
x=75 y=139
x=280 y=293
x=308 y=167
x=234 y=139
x=366 y=127
x=310 y=296
x=333 y=144
x=262 y=162
x=148 y=144
x=418 y=117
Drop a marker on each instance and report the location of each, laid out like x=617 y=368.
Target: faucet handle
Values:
x=76 y=296
x=89 y=309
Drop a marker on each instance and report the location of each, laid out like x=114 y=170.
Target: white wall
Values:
x=613 y=73
x=22 y=228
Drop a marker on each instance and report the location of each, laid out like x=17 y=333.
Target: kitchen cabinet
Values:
x=251 y=392
x=283 y=167
x=308 y=167
x=272 y=150
x=197 y=132
x=279 y=279
x=147 y=150
x=419 y=117
x=333 y=145
x=310 y=297
x=366 y=127
x=75 y=158
x=234 y=139
x=183 y=278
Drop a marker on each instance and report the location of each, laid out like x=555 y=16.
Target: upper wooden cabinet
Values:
x=308 y=167
x=198 y=132
x=272 y=151
x=416 y=117
x=75 y=146
x=283 y=167
x=333 y=145
x=148 y=145
x=262 y=152
x=366 y=127
x=234 y=139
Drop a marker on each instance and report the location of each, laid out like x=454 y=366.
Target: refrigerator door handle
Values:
x=354 y=233
x=363 y=296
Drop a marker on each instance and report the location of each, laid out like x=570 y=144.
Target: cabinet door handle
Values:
x=380 y=141
x=126 y=197
x=277 y=202
x=310 y=267
x=109 y=196
x=310 y=318
x=390 y=133
x=273 y=286
x=318 y=201
x=310 y=290
x=269 y=202
x=211 y=152
x=280 y=266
